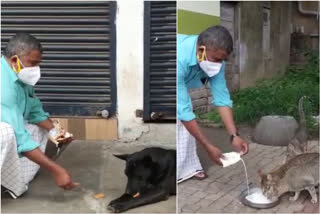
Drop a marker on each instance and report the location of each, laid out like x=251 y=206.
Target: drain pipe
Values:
x=307 y=12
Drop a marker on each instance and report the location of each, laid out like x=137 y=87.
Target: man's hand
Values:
x=60 y=175
x=58 y=137
x=66 y=140
x=214 y=153
x=240 y=145
x=63 y=179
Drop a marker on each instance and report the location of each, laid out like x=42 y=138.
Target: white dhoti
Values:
x=16 y=173
x=188 y=162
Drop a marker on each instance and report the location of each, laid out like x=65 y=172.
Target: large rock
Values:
x=275 y=130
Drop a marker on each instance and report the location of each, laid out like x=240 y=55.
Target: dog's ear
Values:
x=147 y=161
x=122 y=157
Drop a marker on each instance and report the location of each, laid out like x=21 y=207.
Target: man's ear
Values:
x=122 y=157
x=12 y=60
x=200 y=52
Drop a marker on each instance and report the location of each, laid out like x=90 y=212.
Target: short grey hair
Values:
x=216 y=37
x=21 y=44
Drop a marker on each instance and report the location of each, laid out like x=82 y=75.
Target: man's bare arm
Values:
x=195 y=130
x=61 y=176
x=46 y=124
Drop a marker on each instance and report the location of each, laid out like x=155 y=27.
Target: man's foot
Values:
x=200 y=176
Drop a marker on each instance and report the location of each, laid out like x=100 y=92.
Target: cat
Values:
x=299 y=173
x=298 y=144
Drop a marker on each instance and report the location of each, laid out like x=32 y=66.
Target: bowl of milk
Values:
x=256 y=199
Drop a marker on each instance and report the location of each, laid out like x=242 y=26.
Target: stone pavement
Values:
x=220 y=192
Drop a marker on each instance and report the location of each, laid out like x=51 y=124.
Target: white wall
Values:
x=129 y=24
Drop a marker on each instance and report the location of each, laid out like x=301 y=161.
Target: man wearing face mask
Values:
x=24 y=126
x=202 y=57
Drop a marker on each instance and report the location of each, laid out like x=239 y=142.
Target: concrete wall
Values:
x=280 y=38
x=308 y=24
x=255 y=60
x=305 y=30
x=129 y=22
x=130 y=77
x=250 y=30
x=228 y=17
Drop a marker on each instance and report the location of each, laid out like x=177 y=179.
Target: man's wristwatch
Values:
x=233 y=135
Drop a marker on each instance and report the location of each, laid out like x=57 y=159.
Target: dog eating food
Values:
x=136 y=195
x=151 y=177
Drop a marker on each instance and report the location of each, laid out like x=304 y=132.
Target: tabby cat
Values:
x=298 y=144
x=299 y=173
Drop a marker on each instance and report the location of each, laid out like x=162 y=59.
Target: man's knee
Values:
x=6 y=132
x=7 y=137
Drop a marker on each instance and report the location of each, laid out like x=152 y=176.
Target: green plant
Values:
x=278 y=95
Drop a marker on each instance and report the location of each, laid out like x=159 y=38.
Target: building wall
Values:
x=257 y=61
x=130 y=75
x=130 y=42
x=305 y=31
x=250 y=30
x=308 y=24
x=196 y=16
x=280 y=38
x=228 y=16
x=125 y=126
x=91 y=128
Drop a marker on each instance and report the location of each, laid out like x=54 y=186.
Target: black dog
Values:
x=151 y=178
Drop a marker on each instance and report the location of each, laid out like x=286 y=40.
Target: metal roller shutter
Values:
x=78 y=39
x=160 y=61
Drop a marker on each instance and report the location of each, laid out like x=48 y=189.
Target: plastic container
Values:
x=230 y=158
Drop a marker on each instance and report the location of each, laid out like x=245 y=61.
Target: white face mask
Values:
x=210 y=68
x=28 y=75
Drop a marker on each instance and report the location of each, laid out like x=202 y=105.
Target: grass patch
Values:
x=278 y=96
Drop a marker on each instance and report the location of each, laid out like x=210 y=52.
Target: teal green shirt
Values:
x=189 y=76
x=19 y=104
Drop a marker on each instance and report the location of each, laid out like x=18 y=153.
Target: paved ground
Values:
x=93 y=165
x=220 y=192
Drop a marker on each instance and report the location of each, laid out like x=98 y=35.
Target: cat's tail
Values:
x=301 y=111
